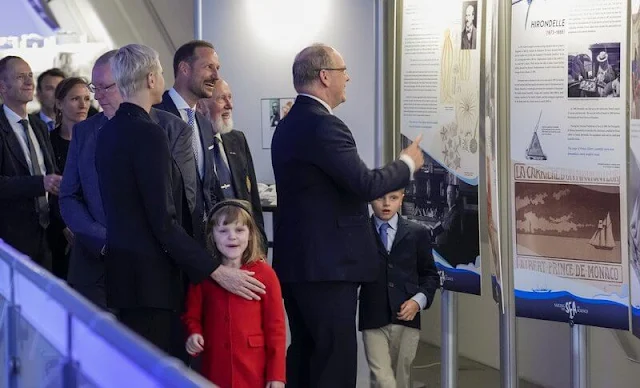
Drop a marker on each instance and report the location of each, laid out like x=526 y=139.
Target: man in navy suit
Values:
x=234 y=151
x=28 y=173
x=80 y=201
x=324 y=245
x=195 y=67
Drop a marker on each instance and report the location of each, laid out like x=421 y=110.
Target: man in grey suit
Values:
x=195 y=66
x=80 y=200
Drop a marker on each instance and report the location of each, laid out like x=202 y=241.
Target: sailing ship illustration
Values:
x=535 y=152
x=603 y=237
x=541 y=284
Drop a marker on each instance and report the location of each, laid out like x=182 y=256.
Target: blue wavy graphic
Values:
x=459 y=280
x=563 y=306
x=635 y=321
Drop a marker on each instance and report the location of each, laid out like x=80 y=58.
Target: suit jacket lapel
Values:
x=169 y=105
x=231 y=149
x=12 y=140
x=403 y=230
x=206 y=136
x=46 y=154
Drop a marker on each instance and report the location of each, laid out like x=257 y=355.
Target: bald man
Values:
x=324 y=246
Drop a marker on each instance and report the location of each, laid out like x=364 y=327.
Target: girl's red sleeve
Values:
x=192 y=317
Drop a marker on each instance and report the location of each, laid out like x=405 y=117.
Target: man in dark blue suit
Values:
x=28 y=173
x=324 y=246
x=80 y=200
x=233 y=154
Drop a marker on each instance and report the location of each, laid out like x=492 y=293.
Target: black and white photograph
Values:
x=469 y=31
x=274 y=114
x=273 y=110
x=593 y=70
x=448 y=207
x=562 y=221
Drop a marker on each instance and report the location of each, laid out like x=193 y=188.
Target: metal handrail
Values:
x=165 y=370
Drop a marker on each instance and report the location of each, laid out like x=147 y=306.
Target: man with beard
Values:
x=231 y=152
x=195 y=67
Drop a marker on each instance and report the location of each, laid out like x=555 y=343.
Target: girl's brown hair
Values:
x=63 y=88
x=229 y=212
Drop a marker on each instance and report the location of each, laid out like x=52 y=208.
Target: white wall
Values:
x=257 y=63
x=132 y=21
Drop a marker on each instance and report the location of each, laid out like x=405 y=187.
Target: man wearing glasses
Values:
x=324 y=246
x=80 y=200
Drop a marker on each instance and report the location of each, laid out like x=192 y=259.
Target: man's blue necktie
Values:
x=383 y=235
x=195 y=145
x=222 y=170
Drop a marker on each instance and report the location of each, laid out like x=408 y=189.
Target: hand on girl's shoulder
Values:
x=262 y=270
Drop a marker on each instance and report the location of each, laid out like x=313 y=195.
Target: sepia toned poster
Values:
x=440 y=99
x=568 y=151
x=491 y=151
x=634 y=170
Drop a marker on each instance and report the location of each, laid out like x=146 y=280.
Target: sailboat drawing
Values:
x=535 y=152
x=603 y=237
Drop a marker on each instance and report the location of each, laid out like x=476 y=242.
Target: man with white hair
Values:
x=231 y=151
x=146 y=247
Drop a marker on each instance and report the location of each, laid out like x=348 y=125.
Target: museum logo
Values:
x=444 y=277
x=571 y=308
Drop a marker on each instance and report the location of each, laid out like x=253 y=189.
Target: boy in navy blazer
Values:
x=406 y=284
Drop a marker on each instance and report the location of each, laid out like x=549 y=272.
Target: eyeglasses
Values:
x=342 y=69
x=95 y=89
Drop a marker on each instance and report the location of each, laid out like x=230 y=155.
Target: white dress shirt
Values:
x=420 y=298
x=319 y=100
x=182 y=106
x=47 y=120
x=18 y=130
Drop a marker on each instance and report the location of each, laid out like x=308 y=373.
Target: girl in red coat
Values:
x=242 y=342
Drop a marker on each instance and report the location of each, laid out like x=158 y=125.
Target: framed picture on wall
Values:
x=273 y=110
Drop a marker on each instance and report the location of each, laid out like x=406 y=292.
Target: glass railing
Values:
x=50 y=336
